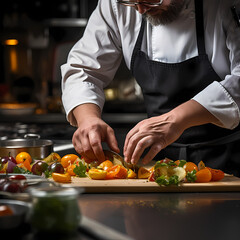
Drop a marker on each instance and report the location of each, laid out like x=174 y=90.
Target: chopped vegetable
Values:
x=131 y=174
x=62 y=178
x=143 y=173
x=97 y=174
x=117 y=172
x=80 y=170
x=204 y=175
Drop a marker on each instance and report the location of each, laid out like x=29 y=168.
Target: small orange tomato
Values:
x=70 y=169
x=204 y=175
x=117 y=172
x=106 y=164
x=131 y=174
x=62 y=178
x=97 y=174
x=22 y=156
x=143 y=173
x=68 y=159
x=190 y=166
x=217 y=174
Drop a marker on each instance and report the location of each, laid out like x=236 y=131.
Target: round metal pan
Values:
x=37 y=148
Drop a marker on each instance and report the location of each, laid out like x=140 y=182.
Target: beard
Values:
x=166 y=16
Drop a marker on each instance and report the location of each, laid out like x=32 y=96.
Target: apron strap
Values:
x=200 y=27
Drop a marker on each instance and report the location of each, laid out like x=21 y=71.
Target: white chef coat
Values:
x=111 y=34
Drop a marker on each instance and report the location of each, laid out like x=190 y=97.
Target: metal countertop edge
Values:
x=100 y=231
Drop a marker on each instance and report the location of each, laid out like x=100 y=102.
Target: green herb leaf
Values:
x=80 y=170
x=17 y=169
x=48 y=173
x=163 y=181
x=191 y=176
x=174 y=180
x=182 y=163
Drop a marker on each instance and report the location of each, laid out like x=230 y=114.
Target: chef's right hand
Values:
x=91 y=132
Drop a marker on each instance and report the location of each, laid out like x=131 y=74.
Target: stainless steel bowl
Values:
x=21 y=212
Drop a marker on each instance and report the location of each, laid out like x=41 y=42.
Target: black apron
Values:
x=165 y=86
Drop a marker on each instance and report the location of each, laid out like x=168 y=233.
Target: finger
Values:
x=154 y=150
x=95 y=143
x=87 y=150
x=77 y=143
x=130 y=134
x=139 y=149
x=131 y=146
x=112 y=141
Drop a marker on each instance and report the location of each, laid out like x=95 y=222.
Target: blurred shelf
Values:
x=66 y=22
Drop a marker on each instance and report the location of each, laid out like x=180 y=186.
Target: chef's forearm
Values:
x=191 y=113
x=85 y=111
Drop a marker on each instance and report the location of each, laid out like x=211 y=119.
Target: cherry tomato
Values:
x=190 y=166
x=217 y=174
x=106 y=164
x=204 y=175
x=117 y=172
x=68 y=159
x=62 y=178
x=23 y=156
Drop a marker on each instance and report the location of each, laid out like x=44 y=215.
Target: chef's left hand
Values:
x=158 y=132
x=155 y=132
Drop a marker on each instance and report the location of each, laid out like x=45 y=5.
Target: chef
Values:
x=185 y=55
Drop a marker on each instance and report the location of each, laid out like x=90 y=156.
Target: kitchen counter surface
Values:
x=167 y=216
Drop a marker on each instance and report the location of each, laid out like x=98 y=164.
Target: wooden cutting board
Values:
x=228 y=184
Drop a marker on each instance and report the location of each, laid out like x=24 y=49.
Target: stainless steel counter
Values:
x=167 y=216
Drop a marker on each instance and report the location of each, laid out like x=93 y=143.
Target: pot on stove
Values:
x=31 y=143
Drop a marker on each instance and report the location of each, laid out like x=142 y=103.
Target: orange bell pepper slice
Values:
x=61 y=177
x=117 y=172
x=27 y=165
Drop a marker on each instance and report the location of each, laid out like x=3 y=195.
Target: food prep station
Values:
x=126 y=213
x=132 y=214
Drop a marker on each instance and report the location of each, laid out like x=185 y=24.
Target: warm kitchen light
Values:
x=13 y=60
x=11 y=42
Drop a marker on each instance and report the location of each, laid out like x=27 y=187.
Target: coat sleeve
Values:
x=92 y=62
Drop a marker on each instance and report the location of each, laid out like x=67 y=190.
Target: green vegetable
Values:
x=191 y=176
x=17 y=169
x=48 y=173
x=164 y=181
x=182 y=163
x=163 y=164
x=80 y=170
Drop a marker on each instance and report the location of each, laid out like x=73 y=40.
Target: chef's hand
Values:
x=91 y=132
x=158 y=132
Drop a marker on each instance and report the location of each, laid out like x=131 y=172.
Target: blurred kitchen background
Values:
x=36 y=36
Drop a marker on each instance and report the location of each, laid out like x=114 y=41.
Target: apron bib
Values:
x=167 y=85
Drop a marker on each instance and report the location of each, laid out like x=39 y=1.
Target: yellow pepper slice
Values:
x=97 y=174
x=62 y=178
x=131 y=174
